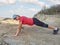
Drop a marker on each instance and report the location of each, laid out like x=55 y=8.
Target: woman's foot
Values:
x=55 y=31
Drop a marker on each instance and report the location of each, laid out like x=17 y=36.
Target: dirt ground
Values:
x=29 y=35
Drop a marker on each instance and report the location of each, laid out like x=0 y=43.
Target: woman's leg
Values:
x=42 y=24
x=51 y=27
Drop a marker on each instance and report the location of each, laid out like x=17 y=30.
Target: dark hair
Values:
x=15 y=18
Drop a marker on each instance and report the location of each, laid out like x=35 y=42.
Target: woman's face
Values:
x=17 y=18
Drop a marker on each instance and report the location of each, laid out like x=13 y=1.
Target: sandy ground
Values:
x=29 y=35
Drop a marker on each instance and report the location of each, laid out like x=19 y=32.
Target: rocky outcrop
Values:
x=30 y=35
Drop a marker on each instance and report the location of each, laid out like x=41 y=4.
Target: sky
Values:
x=24 y=7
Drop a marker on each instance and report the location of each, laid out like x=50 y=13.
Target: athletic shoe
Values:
x=55 y=31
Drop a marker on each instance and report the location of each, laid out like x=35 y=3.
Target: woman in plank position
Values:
x=31 y=21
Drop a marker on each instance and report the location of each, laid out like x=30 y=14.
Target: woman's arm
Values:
x=19 y=29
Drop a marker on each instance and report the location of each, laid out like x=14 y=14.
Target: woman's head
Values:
x=16 y=17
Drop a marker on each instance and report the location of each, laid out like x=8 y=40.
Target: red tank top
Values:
x=26 y=20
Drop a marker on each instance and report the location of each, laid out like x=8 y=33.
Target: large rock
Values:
x=30 y=35
x=2 y=42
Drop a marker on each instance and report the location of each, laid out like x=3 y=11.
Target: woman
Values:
x=31 y=21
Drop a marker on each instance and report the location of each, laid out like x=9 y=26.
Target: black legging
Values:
x=39 y=23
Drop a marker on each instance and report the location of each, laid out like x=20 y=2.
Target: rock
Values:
x=2 y=42
x=33 y=35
